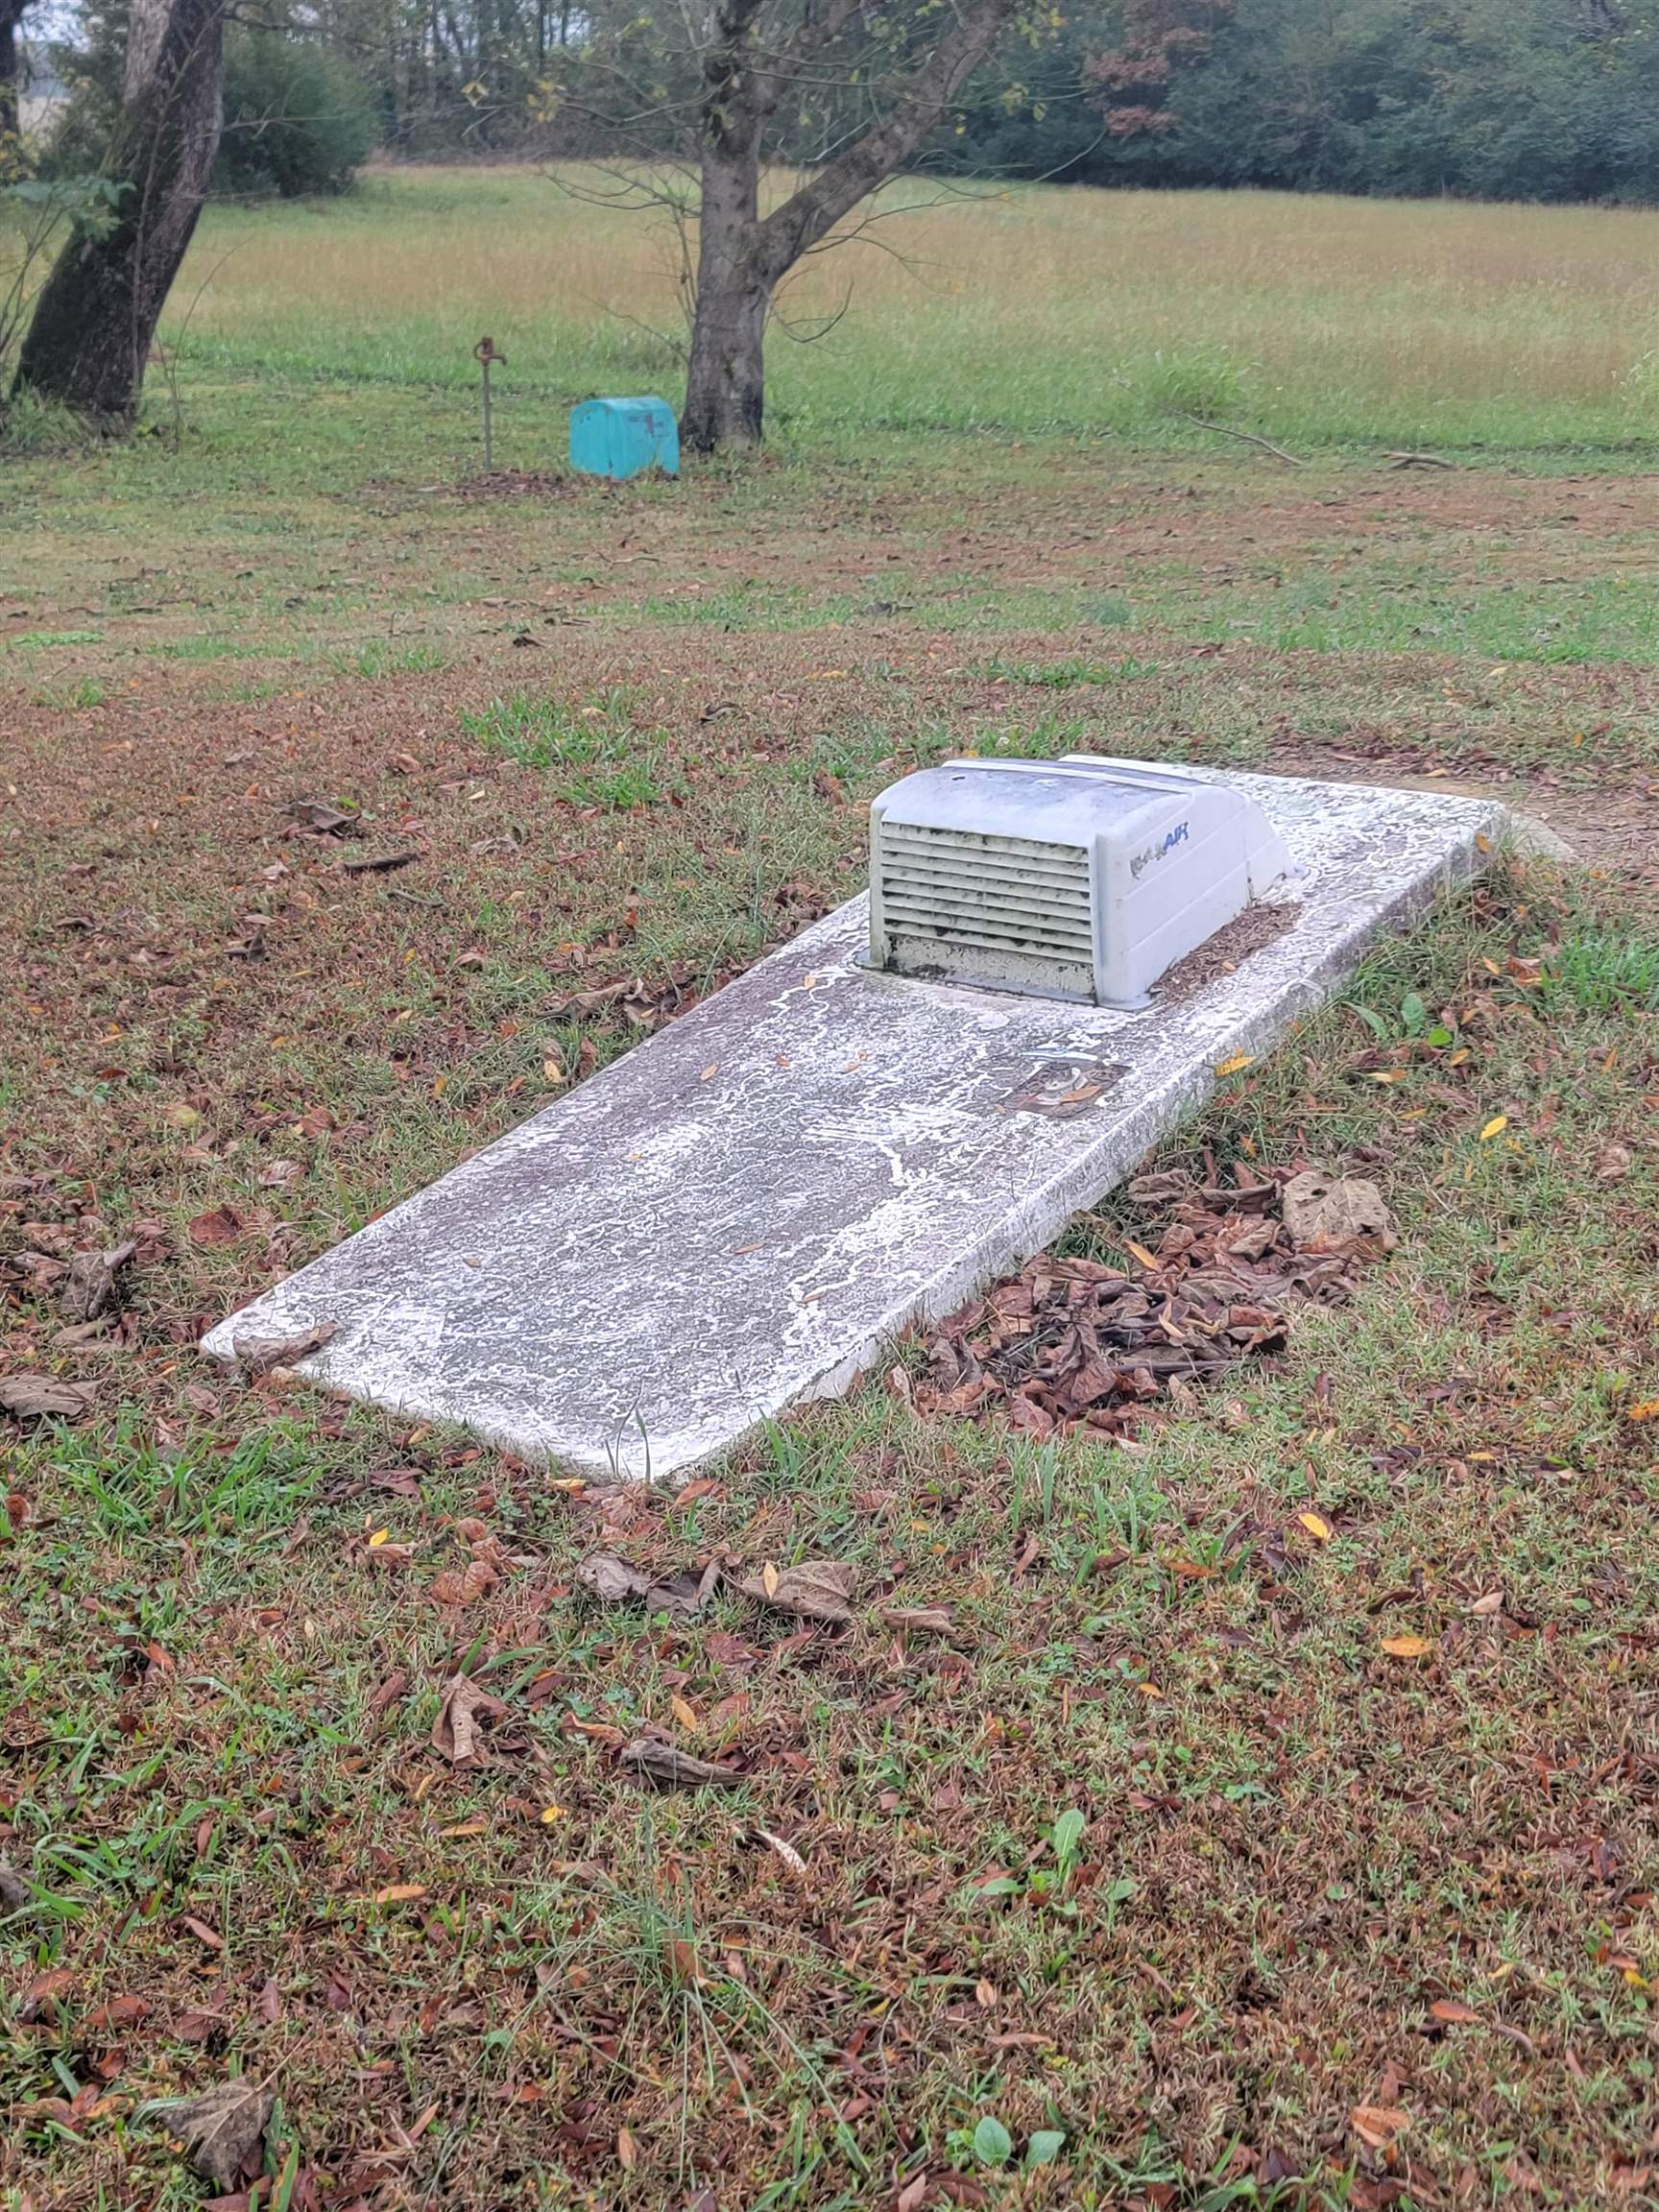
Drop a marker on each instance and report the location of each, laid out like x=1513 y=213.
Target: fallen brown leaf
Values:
x=672 y=1768
x=39 y=2000
x=40 y=1397
x=815 y=1590
x=223 y=2128
x=934 y=1620
x=378 y=863
x=1377 y=2125
x=1324 y=1212
x=93 y=1284
x=260 y=1353
x=319 y=815
x=613 y=1581
x=466 y=1712
x=220 y=1225
x=784 y=1849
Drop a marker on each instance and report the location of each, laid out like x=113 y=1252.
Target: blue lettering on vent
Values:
x=1144 y=860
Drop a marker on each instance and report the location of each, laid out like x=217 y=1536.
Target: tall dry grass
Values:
x=1029 y=310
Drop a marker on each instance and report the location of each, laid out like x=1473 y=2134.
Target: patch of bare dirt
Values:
x=514 y=484
x=1260 y=924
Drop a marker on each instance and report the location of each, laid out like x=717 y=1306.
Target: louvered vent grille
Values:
x=998 y=895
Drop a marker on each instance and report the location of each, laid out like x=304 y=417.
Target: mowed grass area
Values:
x=1266 y=1815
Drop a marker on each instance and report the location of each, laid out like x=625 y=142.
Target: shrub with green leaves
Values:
x=298 y=119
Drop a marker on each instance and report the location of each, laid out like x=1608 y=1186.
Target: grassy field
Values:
x=1028 y=312
x=1031 y=312
x=1262 y=1811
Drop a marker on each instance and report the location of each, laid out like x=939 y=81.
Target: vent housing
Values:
x=1078 y=878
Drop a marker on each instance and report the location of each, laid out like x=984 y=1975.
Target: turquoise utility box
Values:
x=619 y=438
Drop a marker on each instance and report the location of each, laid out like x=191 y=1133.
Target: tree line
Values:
x=1491 y=99
x=693 y=108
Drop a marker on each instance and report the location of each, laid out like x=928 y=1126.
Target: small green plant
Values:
x=993 y=2145
x=1604 y=971
x=1412 y=1022
x=73 y=698
x=1064 y=1837
x=1050 y=1885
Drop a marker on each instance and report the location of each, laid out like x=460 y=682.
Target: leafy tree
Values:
x=298 y=119
x=850 y=89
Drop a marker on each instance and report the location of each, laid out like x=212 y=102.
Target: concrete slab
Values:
x=741 y=1213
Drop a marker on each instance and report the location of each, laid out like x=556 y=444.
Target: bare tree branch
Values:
x=815 y=209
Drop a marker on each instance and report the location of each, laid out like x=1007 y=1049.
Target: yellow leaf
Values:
x=1316 y=1525
x=1495 y=1127
x=1232 y=1065
x=552 y=1072
x=1407 y=1646
x=438 y=1086
x=712 y=1070
x=400 y=1893
x=1647 y=1410
x=1139 y=1254
x=1389 y=1076
x=1149 y=1688
x=379 y=1537
x=684 y=1713
x=466 y=1828
x=550 y=1816
x=769 y=1579
x=1482 y=843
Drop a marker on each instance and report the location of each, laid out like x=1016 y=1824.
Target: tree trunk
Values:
x=741 y=259
x=11 y=110
x=95 y=320
x=725 y=377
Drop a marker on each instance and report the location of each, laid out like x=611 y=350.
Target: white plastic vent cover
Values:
x=1077 y=879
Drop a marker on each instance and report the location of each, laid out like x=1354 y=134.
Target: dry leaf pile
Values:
x=1075 y=1343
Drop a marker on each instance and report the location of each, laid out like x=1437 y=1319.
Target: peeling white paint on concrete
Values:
x=649 y=1267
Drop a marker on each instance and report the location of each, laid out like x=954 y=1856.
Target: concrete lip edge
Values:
x=416 y=1338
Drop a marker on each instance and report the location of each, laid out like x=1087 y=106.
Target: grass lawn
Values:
x=1262 y=1811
